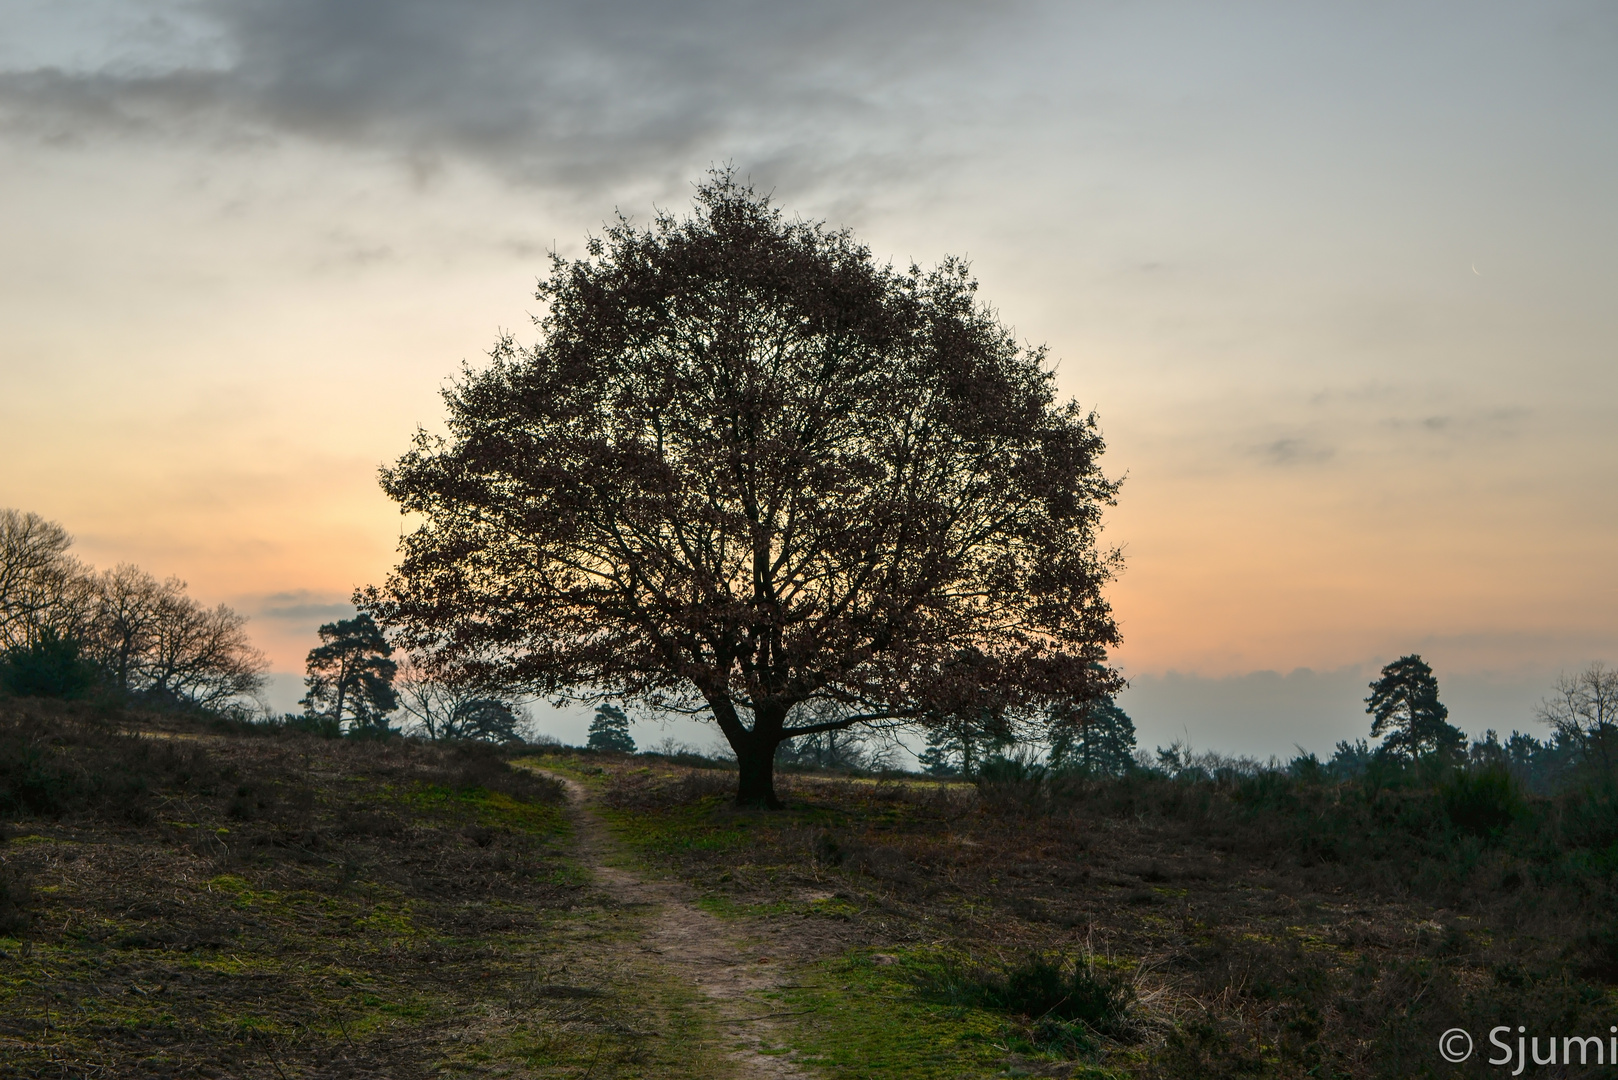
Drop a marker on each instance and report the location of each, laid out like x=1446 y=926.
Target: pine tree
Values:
x=958 y=745
x=609 y=730
x=1097 y=738
x=1405 y=705
x=350 y=676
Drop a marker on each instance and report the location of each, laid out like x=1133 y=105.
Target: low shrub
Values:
x=1065 y=999
x=55 y=760
x=1483 y=802
x=49 y=668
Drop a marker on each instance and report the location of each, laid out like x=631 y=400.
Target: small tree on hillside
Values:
x=1405 y=706
x=747 y=467
x=350 y=676
x=609 y=730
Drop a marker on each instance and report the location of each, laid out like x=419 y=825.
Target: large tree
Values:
x=750 y=472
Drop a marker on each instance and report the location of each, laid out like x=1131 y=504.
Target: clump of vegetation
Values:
x=1065 y=1001
x=49 y=666
x=56 y=760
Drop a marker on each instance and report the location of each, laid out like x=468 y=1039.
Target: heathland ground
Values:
x=191 y=899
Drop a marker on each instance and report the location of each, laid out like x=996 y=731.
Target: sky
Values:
x=1339 y=280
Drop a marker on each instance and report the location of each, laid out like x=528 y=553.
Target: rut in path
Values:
x=698 y=948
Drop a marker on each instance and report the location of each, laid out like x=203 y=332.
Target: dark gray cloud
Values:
x=543 y=91
x=301 y=606
x=1296 y=450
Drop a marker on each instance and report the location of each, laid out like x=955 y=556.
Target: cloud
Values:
x=301 y=606
x=1299 y=450
x=549 y=92
x=1502 y=422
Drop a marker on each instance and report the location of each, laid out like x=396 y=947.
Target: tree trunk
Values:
x=755 y=747
x=756 y=787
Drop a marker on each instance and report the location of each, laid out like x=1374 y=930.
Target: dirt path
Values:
x=729 y=969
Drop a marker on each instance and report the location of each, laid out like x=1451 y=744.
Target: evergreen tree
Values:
x=50 y=666
x=958 y=745
x=350 y=676
x=486 y=718
x=609 y=730
x=1097 y=738
x=1405 y=705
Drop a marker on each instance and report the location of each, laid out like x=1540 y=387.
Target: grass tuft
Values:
x=1066 y=1000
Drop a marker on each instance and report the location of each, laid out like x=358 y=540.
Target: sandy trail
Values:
x=704 y=951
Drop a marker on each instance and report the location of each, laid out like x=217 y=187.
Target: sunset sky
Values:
x=1340 y=279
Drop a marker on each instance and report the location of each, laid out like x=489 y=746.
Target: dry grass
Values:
x=175 y=901
x=1301 y=931
x=209 y=906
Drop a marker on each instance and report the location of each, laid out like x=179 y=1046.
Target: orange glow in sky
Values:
x=1351 y=338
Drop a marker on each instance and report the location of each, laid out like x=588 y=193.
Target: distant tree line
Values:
x=1417 y=739
x=67 y=630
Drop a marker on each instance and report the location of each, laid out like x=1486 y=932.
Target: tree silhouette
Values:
x=1584 y=710
x=749 y=473
x=350 y=676
x=44 y=591
x=609 y=730
x=134 y=633
x=1405 y=706
x=445 y=707
x=1097 y=737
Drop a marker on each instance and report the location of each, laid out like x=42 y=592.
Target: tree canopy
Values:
x=747 y=471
